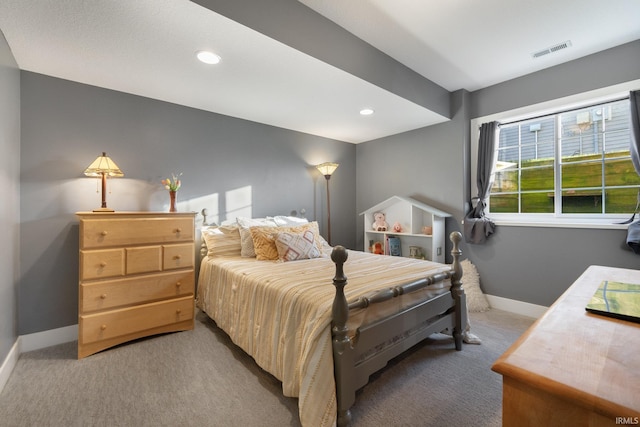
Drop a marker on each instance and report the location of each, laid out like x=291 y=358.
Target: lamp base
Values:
x=103 y=210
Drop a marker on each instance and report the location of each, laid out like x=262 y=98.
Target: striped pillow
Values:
x=222 y=241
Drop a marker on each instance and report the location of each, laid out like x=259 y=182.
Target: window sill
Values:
x=611 y=224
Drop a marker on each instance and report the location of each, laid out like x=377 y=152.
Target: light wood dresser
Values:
x=574 y=368
x=136 y=277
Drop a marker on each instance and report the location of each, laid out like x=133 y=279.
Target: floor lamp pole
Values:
x=328 y=211
x=326 y=169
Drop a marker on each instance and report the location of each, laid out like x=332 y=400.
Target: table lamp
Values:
x=103 y=167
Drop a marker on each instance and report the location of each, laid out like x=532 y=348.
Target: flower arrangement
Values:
x=173 y=183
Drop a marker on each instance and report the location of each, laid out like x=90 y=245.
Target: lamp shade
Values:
x=103 y=165
x=328 y=168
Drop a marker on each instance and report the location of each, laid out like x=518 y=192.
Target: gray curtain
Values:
x=477 y=227
x=633 y=232
x=634 y=99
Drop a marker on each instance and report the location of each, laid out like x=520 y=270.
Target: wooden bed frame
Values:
x=357 y=356
x=373 y=345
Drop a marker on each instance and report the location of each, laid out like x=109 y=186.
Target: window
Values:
x=573 y=164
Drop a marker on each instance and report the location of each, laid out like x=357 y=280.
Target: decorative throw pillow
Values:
x=246 y=240
x=295 y=246
x=223 y=240
x=264 y=241
x=476 y=300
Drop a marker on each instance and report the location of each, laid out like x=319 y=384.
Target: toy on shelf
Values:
x=377 y=248
x=379 y=224
x=397 y=227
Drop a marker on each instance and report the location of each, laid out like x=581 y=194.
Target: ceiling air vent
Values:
x=551 y=49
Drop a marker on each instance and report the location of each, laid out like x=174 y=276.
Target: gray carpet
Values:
x=199 y=378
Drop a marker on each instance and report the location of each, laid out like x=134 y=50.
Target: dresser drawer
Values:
x=115 y=323
x=102 y=263
x=144 y=259
x=136 y=290
x=178 y=256
x=97 y=233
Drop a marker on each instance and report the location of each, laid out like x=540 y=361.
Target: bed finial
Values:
x=340 y=309
x=204 y=213
x=339 y=257
x=456 y=238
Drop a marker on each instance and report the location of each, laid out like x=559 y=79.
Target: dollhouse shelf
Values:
x=413 y=217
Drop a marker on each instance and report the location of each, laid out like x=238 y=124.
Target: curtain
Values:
x=477 y=227
x=634 y=99
x=633 y=232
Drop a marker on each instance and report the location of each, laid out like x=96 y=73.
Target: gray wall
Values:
x=537 y=264
x=65 y=125
x=9 y=194
x=529 y=264
x=425 y=164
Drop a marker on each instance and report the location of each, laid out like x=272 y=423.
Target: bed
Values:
x=322 y=319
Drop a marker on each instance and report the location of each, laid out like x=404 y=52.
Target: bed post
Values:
x=342 y=357
x=457 y=291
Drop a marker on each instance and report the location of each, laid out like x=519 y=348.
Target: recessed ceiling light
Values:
x=366 y=111
x=208 y=57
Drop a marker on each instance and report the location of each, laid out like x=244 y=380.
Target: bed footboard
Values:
x=355 y=359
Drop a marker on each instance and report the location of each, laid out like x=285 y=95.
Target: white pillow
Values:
x=476 y=300
x=246 y=241
x=283 y=220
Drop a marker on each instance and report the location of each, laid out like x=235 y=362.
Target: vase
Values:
x=172 y=207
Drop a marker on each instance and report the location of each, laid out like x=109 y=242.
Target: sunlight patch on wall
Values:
x=210 y=202
x=238 y=203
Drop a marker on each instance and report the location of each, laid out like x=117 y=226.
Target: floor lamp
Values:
x=327 y=169
x=103 y=167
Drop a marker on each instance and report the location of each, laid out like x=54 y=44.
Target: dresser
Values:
x=136 y=276
x=574 y=368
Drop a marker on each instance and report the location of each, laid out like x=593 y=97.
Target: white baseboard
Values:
x=9 y=363
x=48 y=338
x=32 y=342
x=517 y=307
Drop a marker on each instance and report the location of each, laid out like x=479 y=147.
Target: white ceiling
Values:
x=147 y=48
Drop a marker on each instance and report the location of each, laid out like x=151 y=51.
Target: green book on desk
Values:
x=616 y=299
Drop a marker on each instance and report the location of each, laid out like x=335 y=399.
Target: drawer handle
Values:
x=103 y=296
x=178 y=284
x=178 y=311
x=177 y=257
x=104 y=233
x=103 y=327
x=178 y=230
x=103 y=264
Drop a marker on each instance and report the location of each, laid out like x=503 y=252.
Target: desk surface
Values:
x=591 y=360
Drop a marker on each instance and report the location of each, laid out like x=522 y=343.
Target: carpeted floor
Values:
x=199 y=378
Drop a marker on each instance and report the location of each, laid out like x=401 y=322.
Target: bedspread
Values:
x=280 y=314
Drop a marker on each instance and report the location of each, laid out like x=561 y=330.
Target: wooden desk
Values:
x=573 y=367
